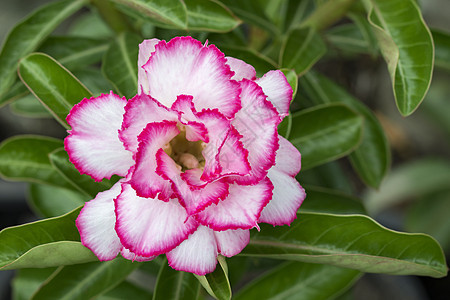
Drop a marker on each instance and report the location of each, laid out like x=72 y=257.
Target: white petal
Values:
x=241 y=69
x=150 y=227
x=96 y=224
x=93 y=144
x=231 y=242
x=277 y=89
x=197 y=254
x=146 y=48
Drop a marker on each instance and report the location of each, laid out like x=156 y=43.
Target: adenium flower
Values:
x=199 y=153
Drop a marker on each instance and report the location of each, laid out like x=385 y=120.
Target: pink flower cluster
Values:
x=199 y=153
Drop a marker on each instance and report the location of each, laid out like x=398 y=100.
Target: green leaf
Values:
x=348 y=38
x=85 y=281
x=175 y=285
x=42 y=244
x=325 y=133
x=210 y=15
x=292 y=78
x=27 y=281
x=407 y=47
x=408 y=181
x=30 y=107
x=120 y=64
x=323 y=200
x=442 y=47
x=25 y=158
x=371 y=159
x=26 y=36
x=284 y=128
x=49 y=201
x=52 y=84
x=83 y=183
x=253 y=13
x=126 y=290
x=17 y=91
x=74 y=52
x=303 y=48
x=163 y=13
x=430 y=215
x=94 y=80
x=299 y=281
x=350 y=241
x=217 y=283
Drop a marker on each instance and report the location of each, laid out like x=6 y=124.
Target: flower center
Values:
x=185 y=153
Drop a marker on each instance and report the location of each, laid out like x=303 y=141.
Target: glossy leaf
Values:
x=303 y=48
x=49 y=201
x=411 y=180
x=210 y=15
x=442 y=43
x=17 y=91
x=164 y=13
x=251 y=12
x=284 y=128
x=26 y=36
x=348 y=38
x=74 y=52
x=46 y=243
x=429 y=214
x=217 y=283
x=126 y=290
x=83 y=183
x=85 y=281
x=25 y=158
x=371 y=159
x=330 y=175
x=350 y=241
x=294 y=12
x=94 y=80
x=299 y=281
x=30 y=107
x=52 y=84
x=325 y=133
x=292 y=78
x=176 y=285
x=407 y=47
x=323 y=200
x=27 y=281
x=120 y=64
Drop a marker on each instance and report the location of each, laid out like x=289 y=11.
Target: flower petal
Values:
x=140 y=111
x=197 y=254
x=288 y=195
x=146 y=48
x=144 y=178
x=231 y=242
x=288 y=158
x=195 y=130
x=127 y=254
x=257 y=122
x=241 y=69
x=185 y=66
x=193 y=198
x=278 y=90
x=224 y=153
x=149 y=227
x=96 y=224
x=241 y=209
x=93 y=144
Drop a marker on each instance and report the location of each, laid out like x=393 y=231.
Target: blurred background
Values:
x=414 y=197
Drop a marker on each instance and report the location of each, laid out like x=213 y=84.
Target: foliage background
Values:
x=420 y=151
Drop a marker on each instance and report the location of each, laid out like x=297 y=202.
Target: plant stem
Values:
x=327 y=14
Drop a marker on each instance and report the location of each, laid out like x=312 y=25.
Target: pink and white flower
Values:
x=198 y=149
